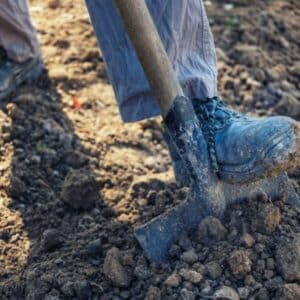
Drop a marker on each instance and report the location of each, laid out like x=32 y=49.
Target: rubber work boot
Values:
x=243 y=149
x=13 y=74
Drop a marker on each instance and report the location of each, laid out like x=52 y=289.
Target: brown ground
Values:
x=74 y=180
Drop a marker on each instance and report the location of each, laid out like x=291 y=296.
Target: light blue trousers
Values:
x=184 y=29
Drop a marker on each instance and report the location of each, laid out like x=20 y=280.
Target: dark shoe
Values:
x=13 y=74
x=244 y=149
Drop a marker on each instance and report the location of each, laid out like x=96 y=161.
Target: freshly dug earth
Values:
x=74 y=180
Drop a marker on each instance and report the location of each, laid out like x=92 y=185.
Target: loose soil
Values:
x=74 y=180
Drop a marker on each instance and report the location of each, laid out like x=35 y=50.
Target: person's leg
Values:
x=19 y=40
x=186 y=35
x=241 y=148
x=18 y=37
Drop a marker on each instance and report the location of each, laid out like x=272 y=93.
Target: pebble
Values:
x=80 y=190
x=268 y=218
x=189 y=256
x=211 y=228
x=187 y=295
x=153 y=293
x=240 y=263
x=249 y=280
x=191 y=275
x=247 y=240
x=173 y=280
x=113 y=269
x=289 y=291
x=226 y=292
x=288 y=258
x=244 y=292
x=213 y=270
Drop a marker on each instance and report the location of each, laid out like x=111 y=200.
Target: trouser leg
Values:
x=186 y=35
x=17 y=35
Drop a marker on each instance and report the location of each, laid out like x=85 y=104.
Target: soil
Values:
x=74 y=180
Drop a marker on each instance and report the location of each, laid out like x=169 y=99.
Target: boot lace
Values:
x=212 y=113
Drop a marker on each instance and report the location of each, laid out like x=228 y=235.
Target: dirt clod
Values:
x=268 y=218
x=211 y=228
x=153 y=293
x=247 y=240
x=191 y=276
x=226 y=293
x=213 y=270
x=288 y=258
x=51 y=240
x=80 y=190
x=240 y=263
x=114 y=271
x=189 y=256
x=173 y=280
x=289 y=292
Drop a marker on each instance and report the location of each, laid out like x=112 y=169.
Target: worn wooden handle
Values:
x=150 y=51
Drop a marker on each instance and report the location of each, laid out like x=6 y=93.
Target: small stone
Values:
x=51 y=240
x=213 y=270
x=249 y=280
x=288 y=106
x=240 y=263
x=259 y=74
x=268 y=274
x=288 y=258
x=17 y=187
x=94 y=247
x=189 y=256
x=186 y=294
x=289 y=292
x=173 y=280
x=268 y=218
x=244 y=292
x=295 y=69
x=259 y=248
x=191 y=275
x=153 y=293
x=114 y=271
x=211 y=228
x=80 y=190
x=226 y=293
x=247 y=240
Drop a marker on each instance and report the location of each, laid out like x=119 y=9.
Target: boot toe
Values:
x=263 y=148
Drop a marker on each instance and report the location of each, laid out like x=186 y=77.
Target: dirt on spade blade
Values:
x=74 y=180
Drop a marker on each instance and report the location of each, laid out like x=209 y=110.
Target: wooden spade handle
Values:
x=150 y=51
